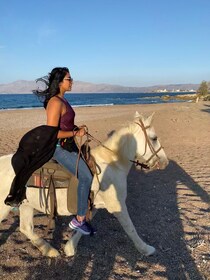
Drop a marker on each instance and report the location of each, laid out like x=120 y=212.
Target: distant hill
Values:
x=22 y=86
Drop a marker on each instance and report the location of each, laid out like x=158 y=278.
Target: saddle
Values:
x=52 y=176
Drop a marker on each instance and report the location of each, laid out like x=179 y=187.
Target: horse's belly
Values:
x=37 y=199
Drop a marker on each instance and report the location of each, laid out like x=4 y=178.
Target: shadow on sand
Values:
x=153 y=205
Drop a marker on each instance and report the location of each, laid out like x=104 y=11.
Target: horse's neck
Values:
x=113 y=140
x=120 y=143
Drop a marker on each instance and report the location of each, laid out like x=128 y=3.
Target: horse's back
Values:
x=5 y=165
x=6 y=157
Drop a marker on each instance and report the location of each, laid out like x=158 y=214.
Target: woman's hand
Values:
x=81 y=132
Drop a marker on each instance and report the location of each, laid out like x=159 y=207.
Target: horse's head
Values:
x=148 y=148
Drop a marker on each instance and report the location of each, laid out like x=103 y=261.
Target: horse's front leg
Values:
x=125 y=220
x=27 y=227
x=71 y=245
x=114 y=198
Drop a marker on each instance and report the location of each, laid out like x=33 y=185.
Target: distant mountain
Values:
x=23 y=86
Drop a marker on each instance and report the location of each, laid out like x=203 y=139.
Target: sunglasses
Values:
x=69 y=79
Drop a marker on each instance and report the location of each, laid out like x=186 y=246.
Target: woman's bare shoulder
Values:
x=54 y=104
x=55 y=101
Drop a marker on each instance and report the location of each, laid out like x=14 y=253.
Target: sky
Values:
x=129 y=43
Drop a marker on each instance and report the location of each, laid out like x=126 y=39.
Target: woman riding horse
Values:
x=61 y=115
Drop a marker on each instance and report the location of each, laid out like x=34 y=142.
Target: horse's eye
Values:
x=154 y=138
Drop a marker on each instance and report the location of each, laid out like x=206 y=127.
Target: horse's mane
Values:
x=116 y=143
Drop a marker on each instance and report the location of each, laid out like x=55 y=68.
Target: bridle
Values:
x=147 y=142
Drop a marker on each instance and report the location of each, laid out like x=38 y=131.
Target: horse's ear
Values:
x=138 y=116
x=150 y=119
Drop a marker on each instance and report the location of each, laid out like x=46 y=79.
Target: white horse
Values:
x=135 y=141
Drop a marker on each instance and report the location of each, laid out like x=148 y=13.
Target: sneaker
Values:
x=12 y=201
x=83 y=227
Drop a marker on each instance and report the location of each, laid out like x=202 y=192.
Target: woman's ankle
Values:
x=80 y=218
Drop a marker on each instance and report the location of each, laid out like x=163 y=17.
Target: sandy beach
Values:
x=170 y=208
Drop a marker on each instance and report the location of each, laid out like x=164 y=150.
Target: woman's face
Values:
x=67 y=82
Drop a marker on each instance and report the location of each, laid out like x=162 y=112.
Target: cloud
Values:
x=2 y=47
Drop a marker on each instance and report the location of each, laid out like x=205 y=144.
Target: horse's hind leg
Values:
x=27 y=227
x=4 y=211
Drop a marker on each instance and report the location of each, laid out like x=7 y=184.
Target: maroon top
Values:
x=67 y=120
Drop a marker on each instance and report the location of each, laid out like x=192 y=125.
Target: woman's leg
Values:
x=69 y=161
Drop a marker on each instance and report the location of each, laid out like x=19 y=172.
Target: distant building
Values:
x=174 y=90
x=162 y=90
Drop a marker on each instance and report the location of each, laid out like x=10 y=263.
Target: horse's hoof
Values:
x=53 y=253
x=69 y=251
x=149 y=250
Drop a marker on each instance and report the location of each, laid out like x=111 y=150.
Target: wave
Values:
x=93 y=105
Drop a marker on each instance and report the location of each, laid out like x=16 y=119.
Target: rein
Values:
x=137 y=163
x=99 y=142
x=85 y=154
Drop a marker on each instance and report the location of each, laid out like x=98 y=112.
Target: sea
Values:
x=27 y=101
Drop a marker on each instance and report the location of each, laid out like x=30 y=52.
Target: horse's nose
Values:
x=163 y=163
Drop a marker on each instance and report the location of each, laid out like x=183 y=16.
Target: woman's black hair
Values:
x=52 y=82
